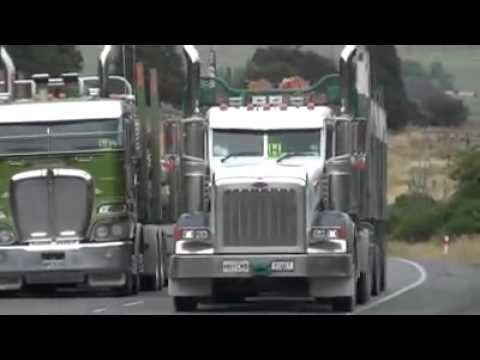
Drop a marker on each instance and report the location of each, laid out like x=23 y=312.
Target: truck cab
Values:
x=68 y=202
x=285 y=191
x=256 y=148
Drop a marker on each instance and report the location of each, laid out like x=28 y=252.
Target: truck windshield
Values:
x=227 y=143
x=281 y=143
x=61 y=137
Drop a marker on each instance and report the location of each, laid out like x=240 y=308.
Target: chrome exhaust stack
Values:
x=347 y=78
x=9 y=93
x=193 y=80
x=103 y=70
x=212 y=68
x=194 y=169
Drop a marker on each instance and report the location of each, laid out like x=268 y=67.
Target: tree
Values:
x=166 y=59
x=443 y=79
x=51 y=59
x=389 y=74
x=427 y=88
x=278 y=62
x=446 y=110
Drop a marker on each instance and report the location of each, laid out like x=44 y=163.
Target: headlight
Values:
x=6 y=237
x=102 y=232
x=325 y=234
x=112 y=232
x=328 y=240
x=202 y=235
x=193 y=241
x=319 y=234
x=188 y=235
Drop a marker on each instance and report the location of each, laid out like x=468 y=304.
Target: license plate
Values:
x=283 y=266
x=53 y=259
x=236 y=267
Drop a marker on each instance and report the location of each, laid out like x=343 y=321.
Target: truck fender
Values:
x=194 y=220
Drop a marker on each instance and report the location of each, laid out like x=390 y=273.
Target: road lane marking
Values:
x=423 y=278
x=99 y=311
x=134 y=304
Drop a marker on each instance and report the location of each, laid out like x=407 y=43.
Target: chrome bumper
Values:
x=306 y=266
x=57 y=264
x=328 y=276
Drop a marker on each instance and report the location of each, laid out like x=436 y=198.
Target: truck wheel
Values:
x=185 y=304
x=364 y=288
x=131 y=287
x=344 y=305
x=383 y=272
x=154 y=283
x=165 y=258
x=377 y=276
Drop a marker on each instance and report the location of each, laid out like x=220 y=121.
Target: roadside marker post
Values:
x=446 y=245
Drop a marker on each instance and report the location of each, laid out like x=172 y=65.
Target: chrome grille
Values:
x=262 y=218
x=51 y=206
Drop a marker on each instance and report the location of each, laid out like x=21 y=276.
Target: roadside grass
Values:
x=415 y=153
x=465 y=250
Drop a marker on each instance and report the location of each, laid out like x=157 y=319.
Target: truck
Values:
x=80 y=181
x=284 y=189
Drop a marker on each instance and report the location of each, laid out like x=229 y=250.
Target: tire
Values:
x=383 y=257
x=383 y=272
x=377 y=276
x=154 y=283
x=185 y=304
x=165 y=259
x=343 y=305
x=131 y=288
x=364 y=288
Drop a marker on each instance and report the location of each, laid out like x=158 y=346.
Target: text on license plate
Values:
x=283 y=266
x=236 y=267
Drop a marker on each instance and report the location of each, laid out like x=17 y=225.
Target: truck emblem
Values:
x=260 y=185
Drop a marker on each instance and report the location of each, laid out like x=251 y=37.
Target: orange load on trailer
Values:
x=260 y=85
x=294 y=83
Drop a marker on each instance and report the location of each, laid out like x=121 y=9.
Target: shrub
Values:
x=415 y=218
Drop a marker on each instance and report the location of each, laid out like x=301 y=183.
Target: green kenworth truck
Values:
x=80 y=180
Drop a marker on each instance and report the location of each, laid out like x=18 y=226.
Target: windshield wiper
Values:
x=239 y=155
x=295 y=154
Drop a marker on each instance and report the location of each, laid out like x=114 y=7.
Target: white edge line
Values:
x=423 y=278
x=134 y=304
x=99 y=311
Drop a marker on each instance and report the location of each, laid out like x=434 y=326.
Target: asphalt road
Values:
x=430 y=288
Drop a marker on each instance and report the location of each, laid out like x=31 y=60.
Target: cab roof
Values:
x=56 y=111
x=259 y=119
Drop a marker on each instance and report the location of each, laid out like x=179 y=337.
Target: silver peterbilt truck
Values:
x=285 y=190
